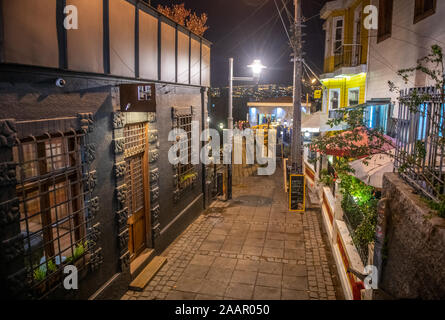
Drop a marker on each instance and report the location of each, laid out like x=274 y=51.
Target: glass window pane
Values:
x=338 y=34
x=56 y=157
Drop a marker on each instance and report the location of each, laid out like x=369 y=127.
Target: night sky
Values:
x=252 y=29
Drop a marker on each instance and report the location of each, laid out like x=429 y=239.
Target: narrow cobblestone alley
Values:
x=249 y=248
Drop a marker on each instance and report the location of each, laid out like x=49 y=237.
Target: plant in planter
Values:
x=39 y=275
x=79 y=258
x=45 y=275
x=188 y=179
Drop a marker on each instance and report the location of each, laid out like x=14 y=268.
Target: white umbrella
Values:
x=372 y=172
x=316 y=122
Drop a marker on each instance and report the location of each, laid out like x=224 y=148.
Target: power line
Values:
x=282 y=20
x=419 y=34
x=308 y=19
x=289 y=15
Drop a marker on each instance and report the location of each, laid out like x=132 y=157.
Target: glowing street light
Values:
x=257 y=67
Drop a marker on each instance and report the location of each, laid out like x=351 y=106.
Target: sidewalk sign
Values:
x=297 y=193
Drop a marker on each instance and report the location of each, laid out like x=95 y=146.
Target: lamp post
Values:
x=257 y=67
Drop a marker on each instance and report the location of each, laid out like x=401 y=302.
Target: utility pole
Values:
x=297 y=158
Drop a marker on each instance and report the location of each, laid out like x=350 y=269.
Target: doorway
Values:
x=137 y=181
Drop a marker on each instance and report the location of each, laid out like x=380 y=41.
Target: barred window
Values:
x=135 y=144
x=186 y=172
x=52 y=199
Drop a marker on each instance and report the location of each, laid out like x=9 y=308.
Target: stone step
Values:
x=147 y=274
x=141 y=262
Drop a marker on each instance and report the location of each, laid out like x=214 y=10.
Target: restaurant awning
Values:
x=363 y=140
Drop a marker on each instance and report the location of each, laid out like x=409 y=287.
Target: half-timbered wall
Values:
x=118 y=37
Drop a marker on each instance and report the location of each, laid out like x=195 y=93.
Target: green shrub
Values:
x=52 y=266
x=360 y=207
x=39 y=274
x=438 y=206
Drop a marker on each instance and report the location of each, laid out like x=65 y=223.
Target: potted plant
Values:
x=79 y=258
x=39 y=276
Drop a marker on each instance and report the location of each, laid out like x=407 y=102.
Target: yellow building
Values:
x=346 y=54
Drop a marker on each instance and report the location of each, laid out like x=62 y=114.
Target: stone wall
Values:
x=415 y=251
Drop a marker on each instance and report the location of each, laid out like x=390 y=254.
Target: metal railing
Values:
x=419 y=156
x=348 y=55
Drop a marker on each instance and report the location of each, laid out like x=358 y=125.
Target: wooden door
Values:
x=136 y=179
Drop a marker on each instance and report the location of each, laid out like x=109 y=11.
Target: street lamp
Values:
x=257 y=67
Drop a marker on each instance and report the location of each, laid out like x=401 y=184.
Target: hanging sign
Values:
x=297 y=193
x=137 y=97
x=317 y=94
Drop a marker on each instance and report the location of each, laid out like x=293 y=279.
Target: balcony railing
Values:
x=348 y=55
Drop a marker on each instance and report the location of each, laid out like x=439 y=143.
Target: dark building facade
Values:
x=85 y=115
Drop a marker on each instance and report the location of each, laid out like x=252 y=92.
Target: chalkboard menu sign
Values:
x=297 y=193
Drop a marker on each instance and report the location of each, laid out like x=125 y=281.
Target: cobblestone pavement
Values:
x=249 y=248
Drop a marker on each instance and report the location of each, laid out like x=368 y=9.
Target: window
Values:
x=353 y=96
x=186 y=173
x=385 y=20
x=424 y=9
x=337 y=35
x=52 y=205
x=334 y=99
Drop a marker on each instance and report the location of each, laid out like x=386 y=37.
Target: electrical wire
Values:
x=284 y=24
